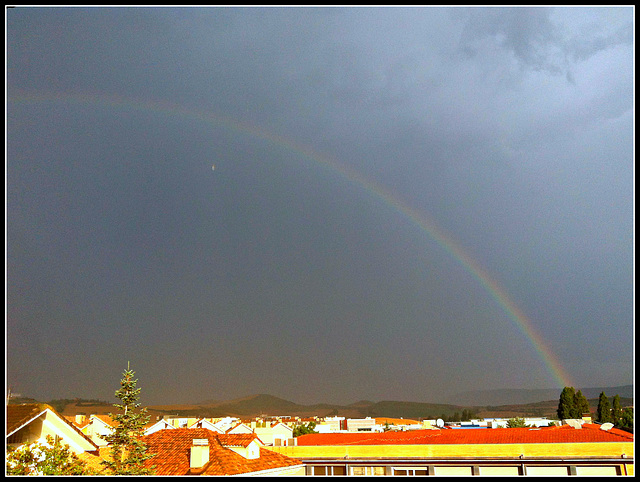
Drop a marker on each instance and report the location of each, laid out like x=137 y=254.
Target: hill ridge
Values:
x=509 y=396
x=266 y=404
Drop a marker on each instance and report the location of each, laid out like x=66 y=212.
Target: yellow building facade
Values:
x=537 y=459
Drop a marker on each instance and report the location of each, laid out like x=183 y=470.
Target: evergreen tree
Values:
x=567 y=403
x=604 y=409
x=582 y=404
x=128 y=451
x=616 y=411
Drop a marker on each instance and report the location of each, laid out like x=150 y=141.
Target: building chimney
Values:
x=199 y=453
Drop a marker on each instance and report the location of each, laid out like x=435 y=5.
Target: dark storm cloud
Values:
x=510 y=128
x=527 y=33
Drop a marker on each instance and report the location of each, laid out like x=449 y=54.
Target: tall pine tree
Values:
x=567 y=403
x=128 y=451
x=616 y=411
x=604 y=409
x=582 y=404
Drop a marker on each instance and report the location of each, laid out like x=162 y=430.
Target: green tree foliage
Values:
x=604 y=409
x=50 y=458
x=616 y=411
x=304 y=429
x=581 y=404
x=516 y=423
x=567 y=403
x=128 y=452
x=626 y=420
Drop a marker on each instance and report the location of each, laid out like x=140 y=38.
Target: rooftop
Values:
x=564 y=434
x=18 y=415
x=173 y=448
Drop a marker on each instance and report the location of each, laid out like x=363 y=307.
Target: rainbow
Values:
x=426 y=225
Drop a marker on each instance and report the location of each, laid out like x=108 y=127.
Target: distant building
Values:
x=342 y=424
x=530 y=421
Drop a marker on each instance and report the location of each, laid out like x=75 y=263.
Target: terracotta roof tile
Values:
x=93 y=460
x=172 y=449
x=564 y=434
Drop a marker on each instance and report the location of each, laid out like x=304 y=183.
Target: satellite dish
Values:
x=440 y=423
x=606 y=426
x=572 y=422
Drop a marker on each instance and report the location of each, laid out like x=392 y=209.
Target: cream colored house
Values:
x=240 y=428
x=97 y=427
x=182 y=422
x=225 y=423
x=32 y=422
x=161 y=424
x=208 y=424
x=276 y=434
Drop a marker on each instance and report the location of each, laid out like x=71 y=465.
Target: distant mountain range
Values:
x=269 y=405
x=521 y=396
x=483 y=403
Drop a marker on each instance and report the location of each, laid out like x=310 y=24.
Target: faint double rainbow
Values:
x=524 y=324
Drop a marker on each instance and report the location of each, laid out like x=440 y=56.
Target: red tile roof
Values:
x=172 y=449
x=93 y=460
x=564 y=434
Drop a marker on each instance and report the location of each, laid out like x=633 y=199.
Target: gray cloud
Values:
x=512 y=129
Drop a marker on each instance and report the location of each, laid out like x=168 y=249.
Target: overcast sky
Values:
x=285 y=270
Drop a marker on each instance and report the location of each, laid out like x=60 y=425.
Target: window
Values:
x=329 y=470
x=504 y=470
x=378 y=470
x=547 y=470
x=453 y=470
x=320 y=471
x=597 y=470
x=410 y=471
